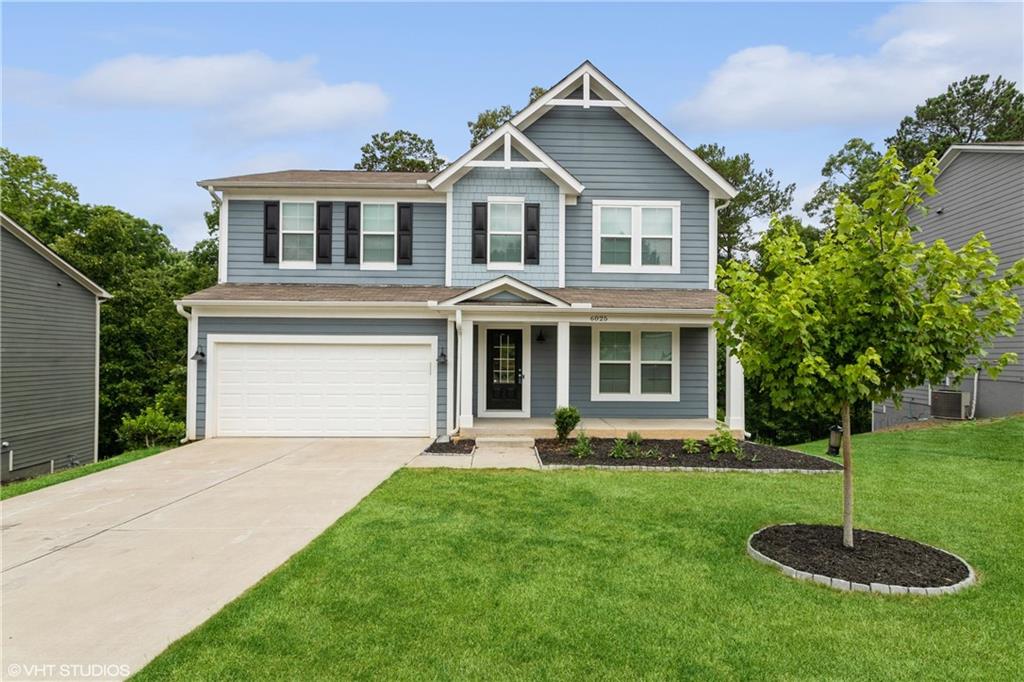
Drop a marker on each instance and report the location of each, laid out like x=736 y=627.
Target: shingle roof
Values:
x=663 y=299
x=333 y=179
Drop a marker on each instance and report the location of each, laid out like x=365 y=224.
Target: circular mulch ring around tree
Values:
x=878 y=563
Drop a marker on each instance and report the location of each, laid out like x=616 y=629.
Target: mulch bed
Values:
x=453 y=447
x=668 y=453
x=875 y=558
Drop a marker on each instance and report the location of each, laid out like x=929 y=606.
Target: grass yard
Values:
x=623 y=575
x=46 y=480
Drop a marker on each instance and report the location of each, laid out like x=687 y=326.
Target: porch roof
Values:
x=602 y=298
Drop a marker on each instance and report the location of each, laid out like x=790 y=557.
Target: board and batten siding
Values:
x=321 y=326
x=245 y=250
x=614 y=160
x=48 y=366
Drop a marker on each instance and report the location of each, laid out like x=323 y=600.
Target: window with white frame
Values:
x=379 y=222
x=635 y=364
x=298 y=234
x=505 y=233
x=636 y=236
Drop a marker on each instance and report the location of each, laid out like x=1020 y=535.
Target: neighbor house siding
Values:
x=476 y=186
x=613 y=160
x=245 y=250
x=48 y=368
x=325 y=326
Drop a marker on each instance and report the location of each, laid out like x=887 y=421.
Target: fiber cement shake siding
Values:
x=47 y=363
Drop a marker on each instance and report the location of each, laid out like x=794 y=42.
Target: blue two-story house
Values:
x=568 y=259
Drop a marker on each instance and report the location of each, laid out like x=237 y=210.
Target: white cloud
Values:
x=248 y=94
x=919 y=49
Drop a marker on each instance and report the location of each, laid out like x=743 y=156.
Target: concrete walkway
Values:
x=111 y=568
x=500 y=452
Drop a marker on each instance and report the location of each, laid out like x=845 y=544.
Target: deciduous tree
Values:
x=489 y=120
x=849 y=171
x=399 y=151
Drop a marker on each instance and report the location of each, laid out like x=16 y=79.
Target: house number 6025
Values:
x=598 y=318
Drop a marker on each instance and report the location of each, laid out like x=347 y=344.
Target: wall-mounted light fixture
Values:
x=442 y=357
x=540 y=336
x=199 y=355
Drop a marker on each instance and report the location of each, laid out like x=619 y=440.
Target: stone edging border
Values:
x=642 y=467
x=448 y=454
x=849 y=586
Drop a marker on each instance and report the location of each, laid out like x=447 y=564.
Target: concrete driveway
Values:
x=109 y=569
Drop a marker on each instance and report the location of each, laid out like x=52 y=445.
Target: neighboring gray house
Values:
x=980 y=188
x=49 y=358
x=569 y=258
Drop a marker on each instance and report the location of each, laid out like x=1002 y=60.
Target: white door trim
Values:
x=214 y=341
x=481 y=384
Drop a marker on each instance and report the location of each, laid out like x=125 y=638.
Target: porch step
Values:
x=497 y=441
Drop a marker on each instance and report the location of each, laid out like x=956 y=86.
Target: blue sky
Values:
x=135 y=102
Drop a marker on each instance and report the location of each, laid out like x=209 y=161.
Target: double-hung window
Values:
x=298 y=234
x=636 y=236
x=639 y=364
x=505 y=233
x=379 y=223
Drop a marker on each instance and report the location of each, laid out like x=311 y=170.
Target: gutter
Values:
x=216 y=199
x=180 y=308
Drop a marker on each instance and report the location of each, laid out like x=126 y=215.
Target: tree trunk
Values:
x=847 y=478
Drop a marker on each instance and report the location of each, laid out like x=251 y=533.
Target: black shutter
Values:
x=479 y=232
x=405 y=234
x=531 y=245
x=352 y=232
x=323 y=231
x=271 y=230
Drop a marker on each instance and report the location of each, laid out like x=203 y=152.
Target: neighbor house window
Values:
x=378 y=223
x=298 y=234
x=635 y=364
x=505 y=233
x=636 y=236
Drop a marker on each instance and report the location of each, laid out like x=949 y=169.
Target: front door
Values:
x=504 y=369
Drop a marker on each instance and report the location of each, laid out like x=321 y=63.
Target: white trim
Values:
x=735 y=417
x=448 y=226
x=507 y=161
x=213 y=341
x=955 y=150
x=506 y=201
x=393 y=265
x=506 y=283
x=282 y=264
x=447 y=177
x=192 y=376
x=507 y=166
x=650 y=127
x=636 y=236
x=43 y=250
x=586 y=90
x=96 y=390
x=481 y=374
x=450 y=377
x=466 y=357
x=561 y=240
x=712 y=241
x=635 y=364
x=562 y=364
x=276 y=193
x=712 y=373
x=608 y=103
x=222 y=240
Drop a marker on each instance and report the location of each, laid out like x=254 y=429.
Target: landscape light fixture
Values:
x=835 y=439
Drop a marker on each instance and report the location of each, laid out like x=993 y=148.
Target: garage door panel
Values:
x=313 y=389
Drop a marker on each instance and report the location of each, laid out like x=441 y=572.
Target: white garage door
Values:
x=323 y=389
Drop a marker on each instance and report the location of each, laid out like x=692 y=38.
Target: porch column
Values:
x=466 y=355
x=562 y=366
x=734 y=417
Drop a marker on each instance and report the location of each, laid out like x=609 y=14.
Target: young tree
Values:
x=489 y=120
x=849 y=171
x=971 y=110
x=399 y=151
x=759 y=195
x=872 y=312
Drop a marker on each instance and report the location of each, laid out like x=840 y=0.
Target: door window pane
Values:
x=656 y=378
x=378 y=248
x=656 y=346
x=614 y=378
x=614 y=346
x=297 y=247
x=506 y=248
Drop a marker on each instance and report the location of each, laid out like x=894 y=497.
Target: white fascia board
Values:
x=506 y=283
x=46 y=252
x=956 y=149
x=637 y=116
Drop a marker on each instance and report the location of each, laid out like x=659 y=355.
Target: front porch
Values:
x=597 y=427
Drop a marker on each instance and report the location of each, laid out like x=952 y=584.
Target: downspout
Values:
x=457 y=403
x=216 y=199
x=974 y=398
x=188 y=316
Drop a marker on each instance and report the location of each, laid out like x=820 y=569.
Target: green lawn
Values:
x=593 y=574
x=46 y=480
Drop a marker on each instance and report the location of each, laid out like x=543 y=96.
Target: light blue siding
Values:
x=326 y=326
x=614 y=161
x=544 y=361
x=245 y=250
x=481 y=183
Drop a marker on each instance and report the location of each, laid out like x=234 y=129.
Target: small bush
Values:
x=691 y=446
x=722 y=442
x=634 y=438
x=566 y=419
x=582 y=448
x=620 y=450
x=150 y=427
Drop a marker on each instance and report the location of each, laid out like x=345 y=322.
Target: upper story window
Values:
x=636 y=236
x=638 y=364
x=505 y=233
x=298 y=234
x=379 y=242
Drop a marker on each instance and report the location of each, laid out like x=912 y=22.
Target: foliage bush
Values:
x=582 y=448
x=691 y=446
x=566 y=419
x=150 y=427
x=634 y=438
x=620 y=450
x=722 y=442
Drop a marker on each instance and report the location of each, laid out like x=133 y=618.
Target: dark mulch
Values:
x=875 y=557
x=452 y=447
x=669 y=453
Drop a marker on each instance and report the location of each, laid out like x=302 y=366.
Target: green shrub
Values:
x=691 y=446
x=582 y=448
x=150 y=427
x=620 y=450
x=722 y=442
x=634 y=438
x=566 y=419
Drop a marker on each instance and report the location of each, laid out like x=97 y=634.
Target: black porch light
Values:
x=442 y=357
x=835 y=439
x=199 y=355
x=540 y=336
